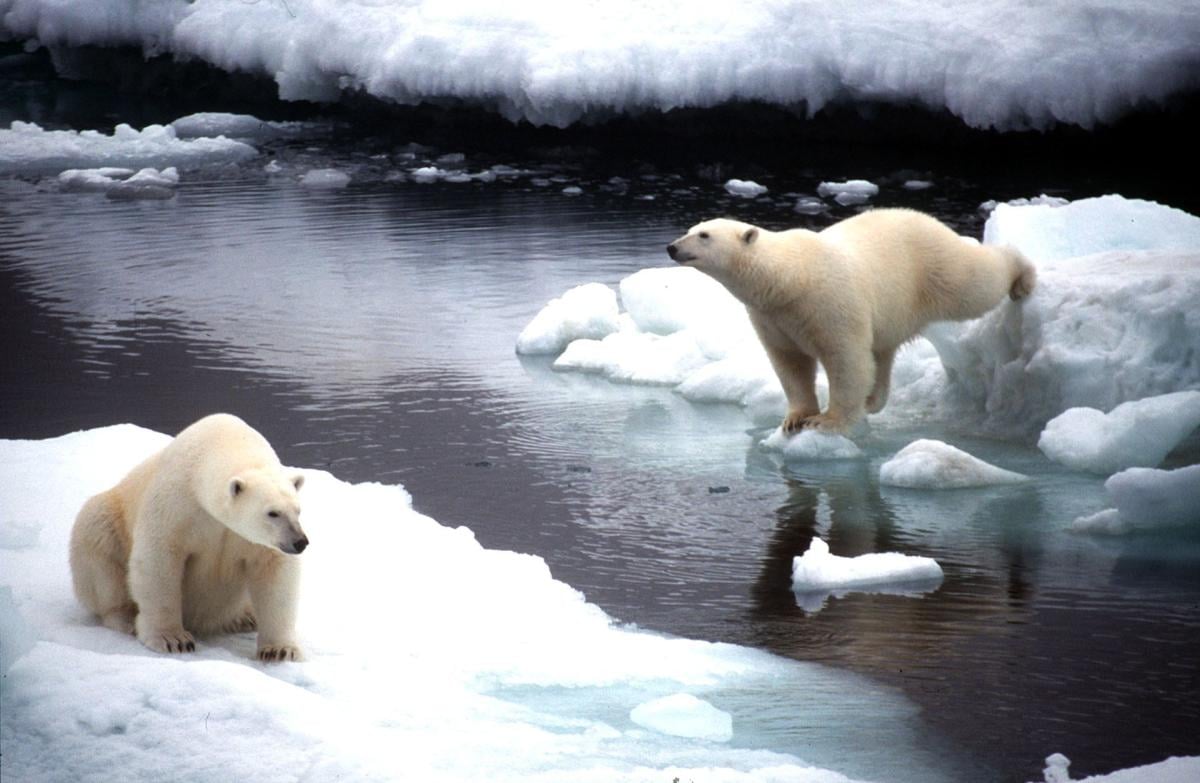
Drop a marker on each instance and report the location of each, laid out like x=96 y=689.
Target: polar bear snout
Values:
x=295 y=546
x=677 y=255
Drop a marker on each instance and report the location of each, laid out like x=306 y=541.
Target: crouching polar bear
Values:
x=200 y=538
x=849 y=296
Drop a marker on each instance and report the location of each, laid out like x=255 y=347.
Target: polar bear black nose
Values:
x=300 y=544
x=672 y=250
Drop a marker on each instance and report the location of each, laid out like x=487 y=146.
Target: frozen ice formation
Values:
x=932 y=464
x=588 y=311
x=26 y=148
x=1005 y=65
x=1147 y=498
x=818 y=569
x=119 y=183
x=684 y=715
x=849 y=193
x=744 y=188
x=325 y=179
x=812 y=445
x=1139 y=433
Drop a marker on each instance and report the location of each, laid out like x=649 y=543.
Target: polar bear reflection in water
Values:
x=849 y=296
x=201 y=537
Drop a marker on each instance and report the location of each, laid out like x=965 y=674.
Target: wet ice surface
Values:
x=369 y=330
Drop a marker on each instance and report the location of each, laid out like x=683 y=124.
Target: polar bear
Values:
x=201 y=537
x=849 y=296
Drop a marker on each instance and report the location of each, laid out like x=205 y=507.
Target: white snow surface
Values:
x=819 y=569
x=588 y=311
x=1139 y=433
x=416 y=638
x=932 y=464
x=1172 y=770
x=26 y=148
x=1147 y=498
x=1006 y=64
x=684 y=715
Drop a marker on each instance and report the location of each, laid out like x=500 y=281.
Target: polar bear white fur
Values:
x=202 y=538
x=849 y=296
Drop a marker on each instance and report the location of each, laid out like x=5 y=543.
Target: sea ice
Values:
x=1172 y=770
x=744 y=188
x=932 y=464
x=819 y=570
x=487 y=678
x=239 y=126
x=855 y=191
x=1139 y=433
x=684 y=715
x=325 y=179
x=118 y=183
x=1147 y=498
x=588 y=311
x=812 y=445
x=1005 y=65
x=25 y=148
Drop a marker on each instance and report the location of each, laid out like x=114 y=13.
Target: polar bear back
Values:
x=912 y=269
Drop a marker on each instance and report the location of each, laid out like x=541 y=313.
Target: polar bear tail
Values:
x=1024 y=274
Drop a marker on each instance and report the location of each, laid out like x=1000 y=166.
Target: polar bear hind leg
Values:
x=98 y=557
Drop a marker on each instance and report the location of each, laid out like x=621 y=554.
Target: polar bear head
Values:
x=714 y=246
x=262 y=506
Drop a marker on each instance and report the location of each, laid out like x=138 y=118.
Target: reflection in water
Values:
x=370 y=332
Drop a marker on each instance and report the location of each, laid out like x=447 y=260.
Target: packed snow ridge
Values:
x=1004 y=65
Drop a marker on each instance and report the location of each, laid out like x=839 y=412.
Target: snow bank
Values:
x=1005 y=65
x=1147 y=498
x=494 y=677
x=684 y=715
x=1140 y=433
x=25 y=148
x=932 y=464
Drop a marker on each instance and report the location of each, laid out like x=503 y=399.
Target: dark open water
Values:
x=369 y=331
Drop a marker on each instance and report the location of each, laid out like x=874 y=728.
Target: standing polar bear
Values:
x=201 y=537
x=849 y=296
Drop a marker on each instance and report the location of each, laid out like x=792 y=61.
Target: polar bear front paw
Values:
x=173 y=641
x=280 y=652
x=796 y=421
x=241 y=623
x=823 y=422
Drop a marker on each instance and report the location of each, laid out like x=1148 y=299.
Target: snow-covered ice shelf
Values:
x=1005 y=64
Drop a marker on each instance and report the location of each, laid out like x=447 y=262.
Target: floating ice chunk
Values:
x=1134 y=434
x=932 y=464
x=148 y=183
x=669 y=299
x=744 y=188
x=325 y=179
x=684 y=715
x=812 y=445
x=427 y=174
x=1098 y=331
x=25 y=148
x=239 y=126
x=807 y=205
x=586 y=311
x=917 y=184
x=818 y=569
x=636 y=357
x=855 y=191
x=1042 y=200
x=98 y=180
x=1147 y=498
x=572 y=190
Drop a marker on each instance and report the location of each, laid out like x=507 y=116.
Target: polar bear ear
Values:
x=298 y=480
x=236 y=485
x=749 y=235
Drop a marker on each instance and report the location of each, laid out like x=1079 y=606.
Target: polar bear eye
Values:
x=273 y=514
x=704 y=235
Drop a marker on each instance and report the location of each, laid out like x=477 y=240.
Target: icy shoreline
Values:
x=989 y=65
